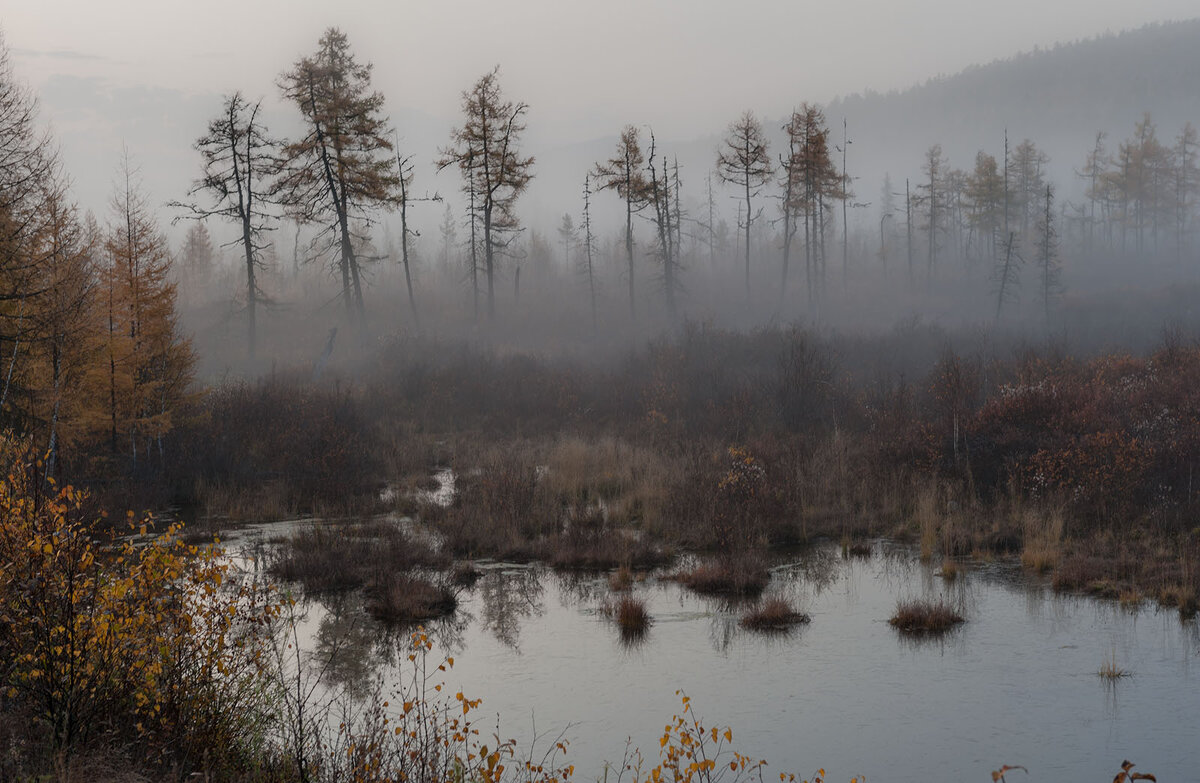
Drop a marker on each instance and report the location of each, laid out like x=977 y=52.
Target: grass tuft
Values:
x=631 y=617
x=775 y=614
x=743 y=577
x=1109 y=669
x=924 y=616
x=403 y=598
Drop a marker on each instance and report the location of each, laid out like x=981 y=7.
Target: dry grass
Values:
x=629 y=479
x=1130 y=598
x=745 y=576
x=774 y=614
x=404 y=598
x=328 y=557
x=1179 y=596
x=1109 y=670
x=928 y=518
x=620 y=580
x=601 y=548
x=952 y=570
x=269 y=501
x=861 y=549
x=1079 y=571
x=631 y=616
x=924 y=616
x=1042 y=534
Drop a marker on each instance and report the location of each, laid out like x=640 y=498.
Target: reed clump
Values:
x=406 y=598
x=1109 y=670
x=742 y=577
x=925 y=616
x=774 y=614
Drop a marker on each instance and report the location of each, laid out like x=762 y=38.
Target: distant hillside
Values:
x=1059 y=97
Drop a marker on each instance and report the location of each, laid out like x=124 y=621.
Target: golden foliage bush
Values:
x=137 y=641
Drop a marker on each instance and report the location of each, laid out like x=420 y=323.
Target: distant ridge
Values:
x=1060 y=97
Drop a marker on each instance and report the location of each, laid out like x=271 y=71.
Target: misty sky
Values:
x=149 y=75
x=687 y=66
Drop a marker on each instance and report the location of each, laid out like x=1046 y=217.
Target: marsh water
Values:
x=1016 y=684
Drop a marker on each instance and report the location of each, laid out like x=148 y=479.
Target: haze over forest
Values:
x=1059 y=97
x=624 y=340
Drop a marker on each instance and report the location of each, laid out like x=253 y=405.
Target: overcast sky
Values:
x=586 y=68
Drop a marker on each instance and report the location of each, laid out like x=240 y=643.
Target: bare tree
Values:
x=486 y=151
x=667 y=220
x=239 y=158
x=1049 y=270
x=934 y=198
x=341 y=170
x=1005 y=275
x=404 y=167
x=589 y=245
x=742 y=160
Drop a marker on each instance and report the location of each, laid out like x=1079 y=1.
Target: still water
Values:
x=1016 y=684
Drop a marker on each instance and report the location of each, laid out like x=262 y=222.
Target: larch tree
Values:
x=985 y=200
x=239 y=159
x=1028 y=182
x=64 y=328
x=27 y=170
x=149 y=363
x=624 y=173
x=792 y=204
x=486 y=148
x=449 y=233
x=197 y=258
x=341 y=172
x=568 y=234
x=1186 y=176
x=743 y=161
x=814 y=183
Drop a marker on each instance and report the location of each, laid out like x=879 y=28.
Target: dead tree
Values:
x=404 y=167
x=239 y=158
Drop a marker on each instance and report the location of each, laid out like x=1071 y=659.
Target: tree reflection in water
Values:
x=510 y=595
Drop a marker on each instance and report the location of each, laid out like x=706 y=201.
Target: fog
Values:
x=901 y=82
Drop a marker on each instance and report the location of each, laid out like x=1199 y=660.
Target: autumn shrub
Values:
x=500 y=510
x=280 y=436
x=693 y=751
x=329 y=556
x=588 y=542
x=155 y=648
x=417 y=730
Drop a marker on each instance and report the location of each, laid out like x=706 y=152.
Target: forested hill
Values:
x=1059 y=97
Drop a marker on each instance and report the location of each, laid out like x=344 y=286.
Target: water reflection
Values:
x=348 y=649
x=1017 y=681
x=510 y=595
